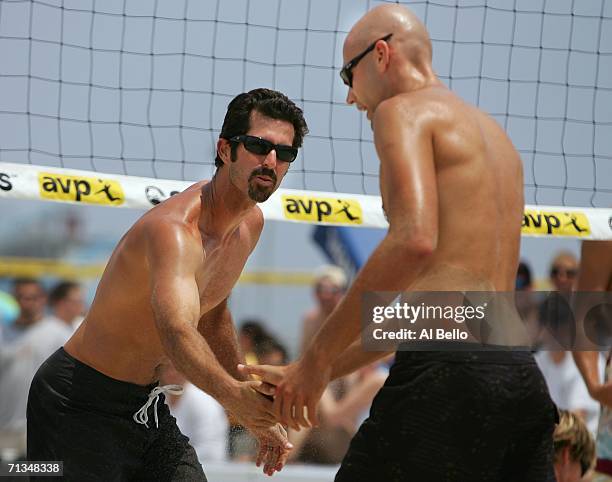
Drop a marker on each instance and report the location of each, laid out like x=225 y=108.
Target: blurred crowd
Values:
x=45 y=317
x=44 y=321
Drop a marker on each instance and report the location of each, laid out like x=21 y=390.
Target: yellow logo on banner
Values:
x=322 y=210
x=91 y=190
x=555 y=223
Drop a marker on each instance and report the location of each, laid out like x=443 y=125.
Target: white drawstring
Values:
x=141 y=416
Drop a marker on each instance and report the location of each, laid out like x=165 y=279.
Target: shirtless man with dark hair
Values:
x=95 y=404
x=452 y=188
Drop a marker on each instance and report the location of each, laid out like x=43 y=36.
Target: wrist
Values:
x=317 y=359
x=226 y=391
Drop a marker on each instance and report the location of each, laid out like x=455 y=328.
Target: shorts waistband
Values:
x=466 y=353
x=79 y=381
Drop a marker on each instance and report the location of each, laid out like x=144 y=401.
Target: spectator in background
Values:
x=352 y=409
x=258 y=346
x=198 y=416
x=9 y=310
x=271 y=352
x=524 y=281
x=329 y=288
x=566 y=386
x=31 y=298
x=20 y=357
x=67 y=304
x=563 y=272
x=33 y=337
x=554 y=312
x=526 y=302
x=328 y=443
x=574 y=448
x=251 y=334
x=340 y=414
x=67 y=309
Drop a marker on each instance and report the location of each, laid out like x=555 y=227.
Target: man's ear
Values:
x=383 y=53
x=224 y=150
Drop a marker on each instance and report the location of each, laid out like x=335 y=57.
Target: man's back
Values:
x=452 y=190
x=480 y=195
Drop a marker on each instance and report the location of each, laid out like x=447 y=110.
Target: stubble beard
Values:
x=257 y=192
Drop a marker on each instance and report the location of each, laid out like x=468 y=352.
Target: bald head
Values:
x=410 y=37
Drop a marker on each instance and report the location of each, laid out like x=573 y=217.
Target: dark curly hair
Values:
x=270 y=103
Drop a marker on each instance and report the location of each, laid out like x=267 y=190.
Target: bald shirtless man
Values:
x=95 y=404
x=452 y=189
x=596 y=275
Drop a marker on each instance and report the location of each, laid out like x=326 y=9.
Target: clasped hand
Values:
x=296 y=389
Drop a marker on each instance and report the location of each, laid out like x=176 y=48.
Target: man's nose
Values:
x=270 y=159
x=350 y=98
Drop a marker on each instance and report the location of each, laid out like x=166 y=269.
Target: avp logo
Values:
x=322 y=210
x=91 y=190
x=555 y=223
x=5 y=182
x=155 y=195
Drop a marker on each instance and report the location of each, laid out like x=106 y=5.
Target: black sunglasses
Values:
x=346 y=74
x=260 y=146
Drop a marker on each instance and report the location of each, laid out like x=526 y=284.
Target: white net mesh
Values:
x=140 y=87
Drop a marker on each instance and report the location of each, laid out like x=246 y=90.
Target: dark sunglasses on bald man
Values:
x=262 y=147
x=346 y=74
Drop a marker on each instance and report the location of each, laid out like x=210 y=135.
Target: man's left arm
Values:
x=404 y=143
x=217 y=327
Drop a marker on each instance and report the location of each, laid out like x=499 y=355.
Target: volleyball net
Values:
x=120 y=102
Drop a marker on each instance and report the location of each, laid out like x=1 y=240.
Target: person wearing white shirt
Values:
x=67 y=303
x=566 y=386
x=29 y=346
x=19 y=360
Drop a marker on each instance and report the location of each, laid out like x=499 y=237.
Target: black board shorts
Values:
x=84 y=418
x=457 y=417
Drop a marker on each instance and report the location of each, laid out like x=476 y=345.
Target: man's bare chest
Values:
x=218 y=275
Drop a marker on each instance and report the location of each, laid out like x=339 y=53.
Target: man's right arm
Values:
x=353 y=358
x=173 y=258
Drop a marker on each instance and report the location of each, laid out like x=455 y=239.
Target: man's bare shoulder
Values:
x=255 y=219
x=177 y=213
x=163 y=225
x=421 y=100
x=409 y=120
x=171 y=239
x=424 y=107
x=254 y=223
x=167 y=233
